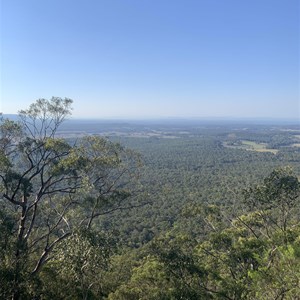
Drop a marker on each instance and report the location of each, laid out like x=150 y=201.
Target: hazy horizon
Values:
x=153 y=60
x=178 y=120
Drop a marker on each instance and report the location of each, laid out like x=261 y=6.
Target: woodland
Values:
x=147 y=211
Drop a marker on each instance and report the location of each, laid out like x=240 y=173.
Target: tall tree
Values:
x=50 y=187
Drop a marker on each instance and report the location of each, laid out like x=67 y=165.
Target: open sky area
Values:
x=153 y=58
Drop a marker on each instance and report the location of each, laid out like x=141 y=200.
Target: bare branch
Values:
x=19 y=203
x=46 y=252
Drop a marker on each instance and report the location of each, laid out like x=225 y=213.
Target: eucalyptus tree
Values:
x=49 y=188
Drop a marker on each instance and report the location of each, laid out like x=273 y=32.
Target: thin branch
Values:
x=19 y=203
x=112 y=210
x=31 y=222
x=46 y=252
x=244 y=223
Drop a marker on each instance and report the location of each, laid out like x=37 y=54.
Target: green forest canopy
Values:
x=183 y=216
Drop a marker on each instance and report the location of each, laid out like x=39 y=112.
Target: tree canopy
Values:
x=202 y=217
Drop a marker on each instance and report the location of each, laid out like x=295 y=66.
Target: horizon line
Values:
x=175 y=118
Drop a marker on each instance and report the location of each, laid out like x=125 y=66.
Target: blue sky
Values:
x=153 y=58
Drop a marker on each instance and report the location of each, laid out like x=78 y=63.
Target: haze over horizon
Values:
x=153 y=59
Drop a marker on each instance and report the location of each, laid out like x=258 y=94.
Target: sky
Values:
x=153 y=58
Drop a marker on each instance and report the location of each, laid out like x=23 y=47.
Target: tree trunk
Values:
x=19 y=254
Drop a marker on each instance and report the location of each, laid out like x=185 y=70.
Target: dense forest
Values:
x=157 y=210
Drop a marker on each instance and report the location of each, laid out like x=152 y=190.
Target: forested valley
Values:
x=147 y=210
